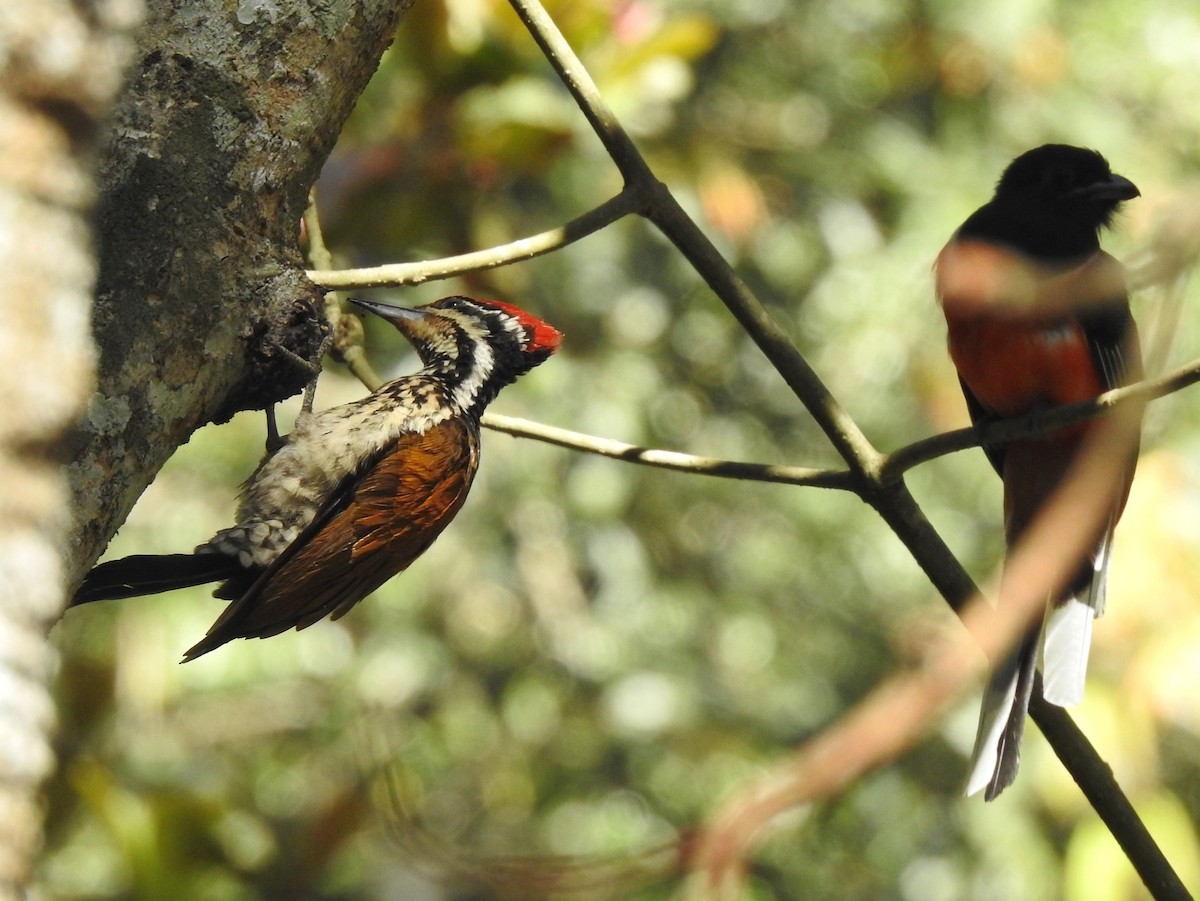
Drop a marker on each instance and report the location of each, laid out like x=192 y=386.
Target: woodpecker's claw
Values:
x=274 y=440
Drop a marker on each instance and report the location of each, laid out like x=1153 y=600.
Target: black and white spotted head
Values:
x=475 y=347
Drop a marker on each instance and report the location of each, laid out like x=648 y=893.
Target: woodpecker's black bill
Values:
x=387 y=311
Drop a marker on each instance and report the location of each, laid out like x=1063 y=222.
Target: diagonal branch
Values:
x=664 y=211
x=587 y=96
x=1097 y=783
x=398 y=274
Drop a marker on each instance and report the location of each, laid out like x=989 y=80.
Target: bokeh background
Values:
x=596 y=654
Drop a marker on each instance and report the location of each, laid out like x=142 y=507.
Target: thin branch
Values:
x=900 y=461
x=925 y=450
x=587 y=96
x=318 y=253
x=665 y=459
x=663 y=210
x=1096 y=782
x=894 y=464
x=399 y=274
x=346 y=328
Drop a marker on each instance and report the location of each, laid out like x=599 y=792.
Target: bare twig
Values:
x=894 y=465
x=587 y=96
x=1003 y=431
x=665 y=459
x=661 y=208
x=318 y=253
x=1096 y=782
x=400 y=274
x=347 y=344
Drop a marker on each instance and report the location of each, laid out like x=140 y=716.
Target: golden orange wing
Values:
x=373 y=527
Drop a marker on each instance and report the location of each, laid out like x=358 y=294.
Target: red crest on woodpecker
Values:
x=542 y=335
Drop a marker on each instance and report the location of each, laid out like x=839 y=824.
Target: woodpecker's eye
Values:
x=458 y=304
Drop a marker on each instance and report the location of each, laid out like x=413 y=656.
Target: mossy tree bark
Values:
x=202 y=307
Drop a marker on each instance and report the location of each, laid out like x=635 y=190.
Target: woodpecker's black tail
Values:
x=152 y=573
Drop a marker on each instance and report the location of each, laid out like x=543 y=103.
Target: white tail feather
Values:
x=993 y=717
x=1098 y=590
x=1067 y=634
x=1066 y=639
x=1061 y=652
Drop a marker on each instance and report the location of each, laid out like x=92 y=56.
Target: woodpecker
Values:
x=357 y=492
x=1038 y=316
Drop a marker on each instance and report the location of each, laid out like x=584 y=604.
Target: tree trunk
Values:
x=60 y=66
x=202 y=307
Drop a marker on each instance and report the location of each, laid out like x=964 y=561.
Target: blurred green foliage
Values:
x=597 y=654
